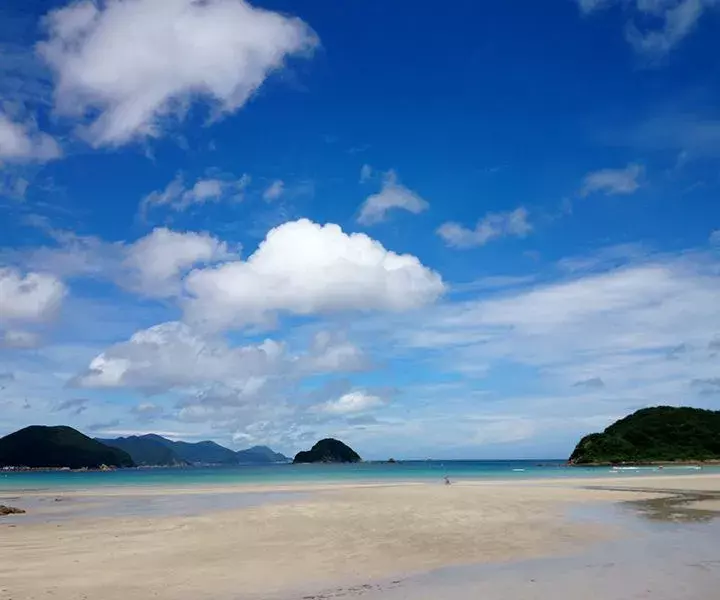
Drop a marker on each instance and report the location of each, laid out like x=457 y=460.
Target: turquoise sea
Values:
x=290 y=474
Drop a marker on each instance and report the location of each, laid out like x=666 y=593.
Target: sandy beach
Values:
x=294 y=541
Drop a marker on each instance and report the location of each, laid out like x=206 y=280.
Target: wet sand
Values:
x=377 y=541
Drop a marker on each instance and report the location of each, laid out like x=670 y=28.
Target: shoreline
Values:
x=713 y=462
x=312 y=537
x=159 y=489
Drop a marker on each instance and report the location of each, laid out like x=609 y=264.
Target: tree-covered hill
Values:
x=328 y=451
x=659 y=434
x=146 y=451
x=258 y=455
x=38 y=446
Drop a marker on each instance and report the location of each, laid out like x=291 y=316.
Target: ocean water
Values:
x=290 y=474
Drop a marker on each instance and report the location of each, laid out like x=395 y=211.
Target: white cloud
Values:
x=274 y=190
x=29 y=298
x=366 y=173
x=304 y=268
x=352 y=402
x=715 y=237
x=154 y=264
x=23 y=142
x=613 y=182
x=173 y=356
x=492 y=226
x=392 y=196
x=129 y=64
x=179 y=198
x=331 y=354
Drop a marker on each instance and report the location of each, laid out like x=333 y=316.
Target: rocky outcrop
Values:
x=328 y=451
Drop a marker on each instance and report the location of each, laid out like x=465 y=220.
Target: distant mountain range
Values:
x=155 y=450
x=38 y=446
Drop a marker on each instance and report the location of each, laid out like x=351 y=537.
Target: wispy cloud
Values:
x=147 y=411
x=678 y=20
x=19 y=339
x=691 y=135
x=493 y=226
x=74 y=406
x=103 y=426
x=709 y=385
x=606 y=258
x=274 y=190
x=179 y=197
x=618 y=326
x=590 y=6
x=671 y=22
x=612 y=182
x=366 y=173
x=593 y=383
x=493 y=282
x=391 y=197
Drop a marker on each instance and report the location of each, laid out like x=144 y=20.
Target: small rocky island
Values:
x=662 y=434
x=328 y=451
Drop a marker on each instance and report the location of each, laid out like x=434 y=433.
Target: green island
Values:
x=328 y=450
x=662 y=434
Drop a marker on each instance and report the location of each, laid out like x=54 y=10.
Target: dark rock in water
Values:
x=328 y=451
x=391 y=461
x=10 y=510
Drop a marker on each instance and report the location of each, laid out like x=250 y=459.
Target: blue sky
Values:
x=480 y=229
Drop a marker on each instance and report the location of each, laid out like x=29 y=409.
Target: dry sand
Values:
x=330 y=535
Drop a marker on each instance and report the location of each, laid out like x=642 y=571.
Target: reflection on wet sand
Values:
x=673 y=506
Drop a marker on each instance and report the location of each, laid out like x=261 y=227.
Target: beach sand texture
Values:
x=345 y=535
